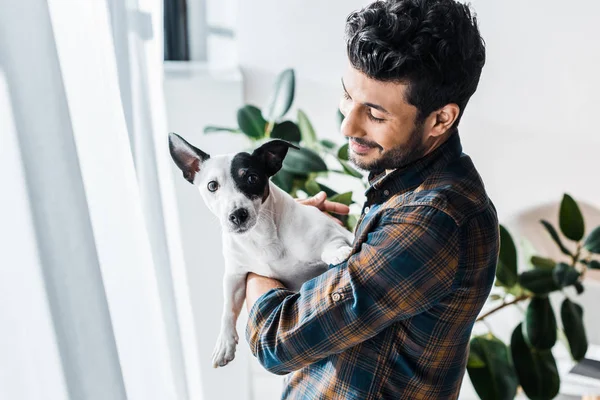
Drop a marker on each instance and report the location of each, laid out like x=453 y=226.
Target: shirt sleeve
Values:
x=405 y=266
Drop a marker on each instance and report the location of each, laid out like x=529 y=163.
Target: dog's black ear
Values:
x=187 y=157
x=272 y=154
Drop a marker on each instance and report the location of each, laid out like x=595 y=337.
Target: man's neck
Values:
x=437 y=142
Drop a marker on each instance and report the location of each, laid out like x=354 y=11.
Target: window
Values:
x=200 y=30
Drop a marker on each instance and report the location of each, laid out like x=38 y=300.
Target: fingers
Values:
x=320 y=201
x=336 y=208
x=315 y=201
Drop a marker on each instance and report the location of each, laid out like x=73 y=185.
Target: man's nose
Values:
x=351 y=125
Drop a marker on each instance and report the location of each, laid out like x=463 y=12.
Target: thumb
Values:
x=320 y=197
x=316 y=199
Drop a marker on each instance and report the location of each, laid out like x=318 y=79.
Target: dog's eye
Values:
x=252 y=179
x=213 y=186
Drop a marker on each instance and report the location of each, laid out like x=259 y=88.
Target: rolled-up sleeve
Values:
x=405 y=266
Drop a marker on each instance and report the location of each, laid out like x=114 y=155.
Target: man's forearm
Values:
x=256 y=286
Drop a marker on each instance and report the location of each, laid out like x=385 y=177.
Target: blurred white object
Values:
x=101 y=310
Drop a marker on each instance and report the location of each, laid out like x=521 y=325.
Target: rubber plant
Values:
x=302 y=169
x=497 y=369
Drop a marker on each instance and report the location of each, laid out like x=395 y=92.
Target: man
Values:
x=394 y=320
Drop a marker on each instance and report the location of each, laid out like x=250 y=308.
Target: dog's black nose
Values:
x=239 y=216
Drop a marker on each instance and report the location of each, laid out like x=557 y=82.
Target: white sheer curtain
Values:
x=95 y=301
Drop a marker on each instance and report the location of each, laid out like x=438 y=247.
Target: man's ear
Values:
x=272 y=154
x=188 y=158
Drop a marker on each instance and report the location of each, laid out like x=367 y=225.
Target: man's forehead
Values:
x=391 y=95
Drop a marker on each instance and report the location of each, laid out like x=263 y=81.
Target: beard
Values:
x=396 y=157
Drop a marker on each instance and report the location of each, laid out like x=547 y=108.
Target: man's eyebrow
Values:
x=375 y=106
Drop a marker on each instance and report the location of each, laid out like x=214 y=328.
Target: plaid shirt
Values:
x=394 y=320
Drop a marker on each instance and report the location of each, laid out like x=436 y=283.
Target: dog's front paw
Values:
x=336 y=256
x=224 y=351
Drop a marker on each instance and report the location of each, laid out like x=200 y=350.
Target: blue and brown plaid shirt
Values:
x=394 y=320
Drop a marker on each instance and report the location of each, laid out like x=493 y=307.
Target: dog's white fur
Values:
x=286 y=240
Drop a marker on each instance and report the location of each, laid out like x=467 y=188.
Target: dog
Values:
x=264 y=229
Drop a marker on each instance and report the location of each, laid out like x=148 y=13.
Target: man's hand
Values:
x=256 y=286
x=320 y=201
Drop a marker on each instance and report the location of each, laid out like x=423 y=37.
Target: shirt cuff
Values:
x=260 y=312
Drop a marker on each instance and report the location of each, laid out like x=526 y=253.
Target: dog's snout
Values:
x=239 y=216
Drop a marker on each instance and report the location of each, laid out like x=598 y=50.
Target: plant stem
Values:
x=501 y=306
x=577 y=254
x=269 y=129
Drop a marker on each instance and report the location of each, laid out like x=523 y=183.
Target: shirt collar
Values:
x=412 y=175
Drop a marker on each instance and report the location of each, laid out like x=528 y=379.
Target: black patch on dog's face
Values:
x=250 y=176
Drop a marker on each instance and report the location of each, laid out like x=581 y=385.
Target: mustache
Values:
x=366 y=143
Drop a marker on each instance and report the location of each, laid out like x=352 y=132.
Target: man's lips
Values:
x=359 y=148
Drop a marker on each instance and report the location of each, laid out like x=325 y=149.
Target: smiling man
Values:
x=394 y=320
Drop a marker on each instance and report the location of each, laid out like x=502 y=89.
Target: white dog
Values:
x=264 y=229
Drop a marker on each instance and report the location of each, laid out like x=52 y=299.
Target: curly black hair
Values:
x=433 y=46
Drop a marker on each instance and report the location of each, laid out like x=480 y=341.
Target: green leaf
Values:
x=303 y=161
x=536 y=369
x=506 y=271
x=211 y=129
x=306 y=130
x=284 y=180
x=343 y=152
x=572 y=320
x=475 y=361
x=340 y=118
x=554 y=236
x=328 y=144
x=348 y=169
x=351 y=223
x=344 y=198
x=286 y=130
x=565 y=275
x=312 y=187
x=495 y=297
x=592 y=243
x=251 y=122
x=516 y=290
x=571 y=220
x=282 y=96
x=538 y=281
x=496 y=380
x=539 y=327
x=541 y=262
x=593 y=264
x=328 y=191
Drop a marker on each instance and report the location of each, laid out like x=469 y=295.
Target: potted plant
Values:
x=496 y=369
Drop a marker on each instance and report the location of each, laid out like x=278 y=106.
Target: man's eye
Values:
x=347 y=96
x=373 y=118
x=252 y=179
x=213 y=186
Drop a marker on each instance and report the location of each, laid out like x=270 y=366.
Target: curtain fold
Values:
x=104 y=277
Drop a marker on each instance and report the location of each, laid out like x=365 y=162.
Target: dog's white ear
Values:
x=272 y=153
x=188 y=158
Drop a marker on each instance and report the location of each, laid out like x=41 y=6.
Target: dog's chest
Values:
x=270 y=257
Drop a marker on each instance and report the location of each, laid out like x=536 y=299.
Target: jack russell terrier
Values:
x=265 y=230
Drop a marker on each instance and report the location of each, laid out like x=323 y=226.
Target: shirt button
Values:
x=336 y=296
x=367 y=209
x=386 y=192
